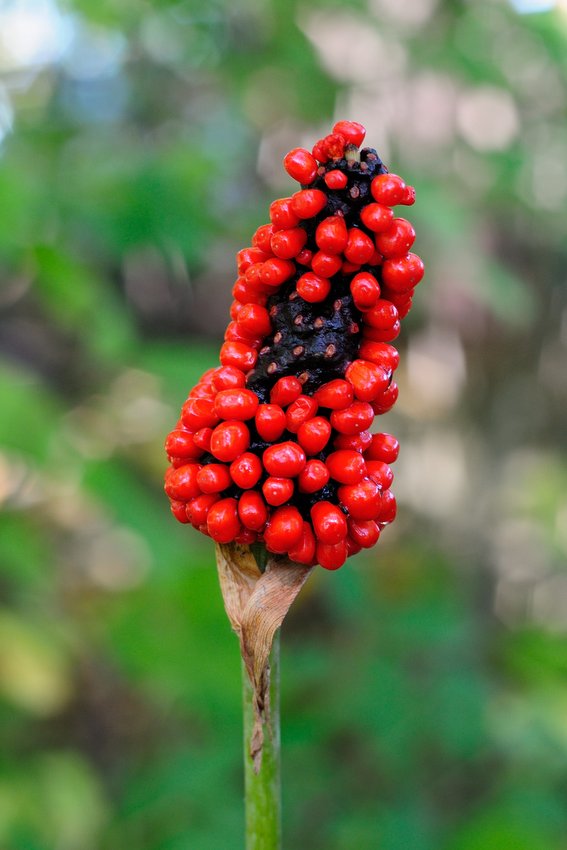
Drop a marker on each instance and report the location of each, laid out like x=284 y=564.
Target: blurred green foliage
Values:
x=424 y=689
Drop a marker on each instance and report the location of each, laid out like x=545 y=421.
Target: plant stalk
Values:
x=262 y=790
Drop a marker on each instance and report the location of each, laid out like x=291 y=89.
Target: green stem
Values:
x=262 y=793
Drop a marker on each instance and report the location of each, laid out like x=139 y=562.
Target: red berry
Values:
x=352 y=547
x=331 y=234
x=350 y=268
x=304 y=257
x=199 y=413
x=313 y=477
x=223 y=523
x=362 y=500
x=308 y=203
x=368 y=379
x=380 y=472
x=320 y=151
x=236 y=404
x=284 y=530
x=213 y=478
x=382 y=316
x=314 y=434
x=270 y=422
x=282 y=214
x=359 y=442
x=386 y=335
x=313 y=288
x=383 y=447
x=304 y=551
x=335 y=395
x=288 y=243
x=228 y=378
x=238 y=354
x=262 y=237
x=285 y=390
x=388 y=189
x=403 y=273
x=181 y=483
x=235 y=333
x=252 y=510
x=276 y=271
x=409 y=196
x=301 y=165
x=332 y=556
x=336 y=180
x=299 y=411
x=380 y=352
x=334 y=145
x=364 y=533
x=246 y=537
x=179 y=511
x=246 y=293
x=181 y=444
x=326 y=265
x=277 y=491
x=365 y=290
x=353 y=419
x=246 y=470
x=229 y=440
x=248 y=257
x=284 y=460
x=359 y=247
x=386 y=400
x=346 y=466
x=255 y=320
x=203 y=439
x=352 y=131
x=397 y=240
x=329 y=522
x=376 y=217
x=199 y=507
x=389 y=507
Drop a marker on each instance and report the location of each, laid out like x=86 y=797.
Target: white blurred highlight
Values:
x=487 y=118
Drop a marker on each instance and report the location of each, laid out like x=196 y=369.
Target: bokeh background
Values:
x=424 y=685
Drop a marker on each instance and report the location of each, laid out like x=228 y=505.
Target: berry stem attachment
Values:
x=262 y=789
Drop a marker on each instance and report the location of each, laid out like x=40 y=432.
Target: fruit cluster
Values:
x=274 y=444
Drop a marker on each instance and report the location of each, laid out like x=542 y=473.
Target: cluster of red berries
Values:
x=274 y=445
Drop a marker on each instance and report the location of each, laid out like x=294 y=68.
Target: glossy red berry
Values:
x=236 y=333
x=397 y=240
x=285 y=390
x=229 y=440
x=236 y=404
x=255 y=320
x=277 y=491
x=403 y=273
x=388 y=189
x=203 y=438
x=389 y=507
x=276 y=271
x=238 y=354
x=383 y=447
x=377 y=217
x=359 y=247
x=364 y=533
x=335 y=395
x=382 y=316
x=270 y=422
x=248 y=257
x=181 y=444
x=284 y=530
x=365 y=291
x=313 y=288
x=282 y=214
x=246 y=470
x=301 y=165
x=213 y=478
x=358 y=442
x=362 y=500
x=331 y=235
x=223 y=523
x=263 y=236
x=304 y=551
x=300 y=411
x=252 y=510
x=228 y=378
x=336 y=180
x=304 y=257
x=313 y=435
x=386 y=400
x=179 y=511
x=353 y=419
x=326 y=265
x=380 y=352
x=284 y=460
x=308 y=203
x=313 y=477
x=329 y=522
x=199 y=413
x=346 y=466
x=334 y=145
x=332 y=556
x=287 y=244
x=380 y=472
x=352 y=132
x=199 y=507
